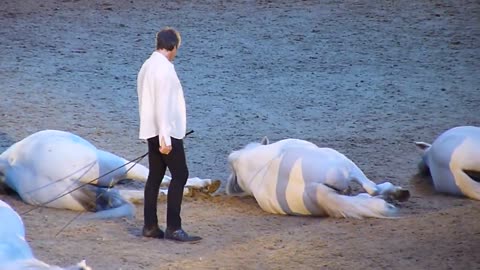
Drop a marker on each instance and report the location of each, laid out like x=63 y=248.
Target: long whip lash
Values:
x=98 y=196
x=68 y=223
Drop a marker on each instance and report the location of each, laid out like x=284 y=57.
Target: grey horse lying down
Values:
x=15 y=252
x=296 y=177
x=62 y=170
x=453 y=161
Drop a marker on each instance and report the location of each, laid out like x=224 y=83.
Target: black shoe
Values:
x=154 y=232
x=181 y=236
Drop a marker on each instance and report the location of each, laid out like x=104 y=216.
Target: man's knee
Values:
x=180 y=176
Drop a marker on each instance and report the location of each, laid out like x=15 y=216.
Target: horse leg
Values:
x=195 y=185
x=391 y=192
x=329 y=202
x=136 y=196
x=204 y=185
x=386 y=190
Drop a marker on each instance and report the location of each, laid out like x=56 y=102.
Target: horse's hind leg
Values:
x=386 y=190
x=393 y=193
x=369 y=186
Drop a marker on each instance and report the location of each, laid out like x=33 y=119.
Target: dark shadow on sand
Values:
x=5 y=141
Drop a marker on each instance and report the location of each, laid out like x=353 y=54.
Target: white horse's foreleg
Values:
x=205 y=185
x=166 y=181
x=136 y=196
x=194 y=182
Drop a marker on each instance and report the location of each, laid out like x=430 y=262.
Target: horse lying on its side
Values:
x=15 y=253
x=453 y=161
x=62 y=170
x=296 y=177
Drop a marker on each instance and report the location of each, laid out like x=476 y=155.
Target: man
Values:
x=163 y=125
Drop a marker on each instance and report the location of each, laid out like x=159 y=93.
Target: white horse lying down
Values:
x=62 y=170
x=295 y=177
x=453 y=161
x=15 y=253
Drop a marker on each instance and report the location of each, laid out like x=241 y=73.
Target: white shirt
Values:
x=161 y=101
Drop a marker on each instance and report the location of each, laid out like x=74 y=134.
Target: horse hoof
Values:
x=214 y=186
x=402 y=195
x=189 y=192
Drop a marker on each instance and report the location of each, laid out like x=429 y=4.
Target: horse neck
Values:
x=8 y=156
x=254 y=164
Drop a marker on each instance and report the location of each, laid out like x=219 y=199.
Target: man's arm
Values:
x=163 y=85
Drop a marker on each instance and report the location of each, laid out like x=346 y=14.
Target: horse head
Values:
x=233 y=187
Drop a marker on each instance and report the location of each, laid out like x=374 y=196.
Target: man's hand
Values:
x=163 y=148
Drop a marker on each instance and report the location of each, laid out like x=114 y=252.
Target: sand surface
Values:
x=367 y=78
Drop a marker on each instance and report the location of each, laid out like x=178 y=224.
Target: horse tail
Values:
x=359 y=206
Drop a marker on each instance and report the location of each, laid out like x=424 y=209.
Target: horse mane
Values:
x=251 y=145
x=233 y=188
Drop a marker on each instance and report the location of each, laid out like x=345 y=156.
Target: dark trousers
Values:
x=158 y=163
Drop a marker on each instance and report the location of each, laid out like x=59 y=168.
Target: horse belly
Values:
x=294 y=193
x=56 y=200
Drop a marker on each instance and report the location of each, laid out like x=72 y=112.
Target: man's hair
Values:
x=168 y=39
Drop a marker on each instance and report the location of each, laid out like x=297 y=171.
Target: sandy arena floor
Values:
x=367 y=78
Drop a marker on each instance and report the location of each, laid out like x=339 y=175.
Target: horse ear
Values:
x=423 y=145
x=265 y=141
